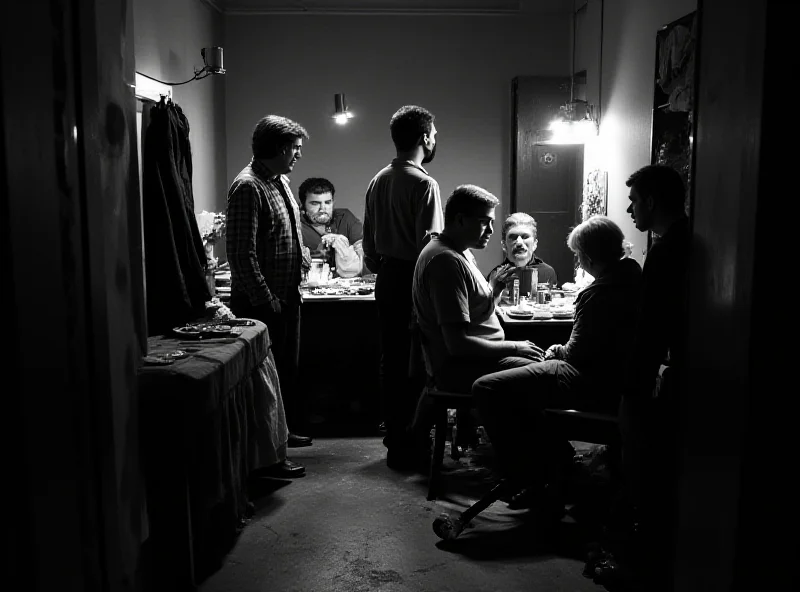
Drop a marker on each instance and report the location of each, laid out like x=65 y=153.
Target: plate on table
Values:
x=563 y=314
x=202 y=331
x=522 y=315
x=241 y=322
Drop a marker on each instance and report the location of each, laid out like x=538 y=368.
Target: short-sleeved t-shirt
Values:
x=342 y=222
x=449 y=288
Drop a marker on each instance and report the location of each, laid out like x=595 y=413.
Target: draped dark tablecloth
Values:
x=206 y=422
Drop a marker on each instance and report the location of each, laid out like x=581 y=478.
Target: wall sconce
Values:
x=340 y=112
x=212 y=64
x=212 y=61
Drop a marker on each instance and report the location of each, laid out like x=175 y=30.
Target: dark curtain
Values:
x=175 y=259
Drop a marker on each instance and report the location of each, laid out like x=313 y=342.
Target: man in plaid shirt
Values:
x=266 y=253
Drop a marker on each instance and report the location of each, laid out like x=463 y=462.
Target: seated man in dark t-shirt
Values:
x=519 y=246
x=327 y=231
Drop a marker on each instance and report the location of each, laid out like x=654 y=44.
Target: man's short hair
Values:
x=408 y=124
x=315 y=186
x=663 y=183
x=468 y=200
x=272 y=132
x=598 y=239
x=519 y=219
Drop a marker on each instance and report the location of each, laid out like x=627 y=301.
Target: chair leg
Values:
x=437 y=458
x=448 y=527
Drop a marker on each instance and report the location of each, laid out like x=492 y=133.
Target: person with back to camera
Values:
x=402 y=209
x=581 y=374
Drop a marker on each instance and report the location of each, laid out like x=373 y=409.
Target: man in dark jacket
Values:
x=581 y=374
x=650 y=409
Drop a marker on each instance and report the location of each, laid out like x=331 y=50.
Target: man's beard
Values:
x=429 y=154
x=320 y=218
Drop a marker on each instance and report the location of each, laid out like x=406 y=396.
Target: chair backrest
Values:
x=419 y=335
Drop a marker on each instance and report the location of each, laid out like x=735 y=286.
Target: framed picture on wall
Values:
x=673 y=99
x=595 y=195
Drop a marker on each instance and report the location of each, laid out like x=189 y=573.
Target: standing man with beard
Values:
x=403 y=207
x=266 y=254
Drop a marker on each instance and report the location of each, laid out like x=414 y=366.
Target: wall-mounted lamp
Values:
x=212 y=61
x=340 y=112
x=212 y=64
x=575 y=123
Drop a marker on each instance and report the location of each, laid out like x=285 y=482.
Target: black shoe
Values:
x=296 y=441
x=287 y=469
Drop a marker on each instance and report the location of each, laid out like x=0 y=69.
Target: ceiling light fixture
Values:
x=340 y=113
x=576 y=122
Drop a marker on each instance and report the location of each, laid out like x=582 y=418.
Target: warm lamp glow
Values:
x=340 y=112
x=572 y=132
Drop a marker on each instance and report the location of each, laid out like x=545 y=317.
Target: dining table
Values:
x=542 y=332
x=339 y=360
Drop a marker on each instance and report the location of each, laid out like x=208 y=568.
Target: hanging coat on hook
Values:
x=175 y=259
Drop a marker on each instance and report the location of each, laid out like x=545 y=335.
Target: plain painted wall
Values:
x=168 y=38
x=459 y=67
x=628 y=76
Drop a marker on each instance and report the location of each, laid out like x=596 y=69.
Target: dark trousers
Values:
x=457 y=376
x=510 y=404
x=650 y=469
x=284 y=335
x=399 y=393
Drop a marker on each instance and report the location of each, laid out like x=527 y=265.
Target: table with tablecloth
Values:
x=206 y=422
x=339 y=359
x=543 y=332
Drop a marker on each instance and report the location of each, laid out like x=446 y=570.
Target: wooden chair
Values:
x=571 y=424
x=441 y=401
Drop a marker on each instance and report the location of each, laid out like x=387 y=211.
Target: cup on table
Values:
x=315 y=273
x=543 y=294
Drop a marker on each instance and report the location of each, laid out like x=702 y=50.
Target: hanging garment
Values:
x=175 y=260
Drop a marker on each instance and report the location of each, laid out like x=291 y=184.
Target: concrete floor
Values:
x=353 y=525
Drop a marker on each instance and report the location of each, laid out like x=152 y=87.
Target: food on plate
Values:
x=520 y=313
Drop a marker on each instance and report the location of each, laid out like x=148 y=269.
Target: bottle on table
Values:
x=515 y=293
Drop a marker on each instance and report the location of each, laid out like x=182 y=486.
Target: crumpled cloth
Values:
x=676 y=55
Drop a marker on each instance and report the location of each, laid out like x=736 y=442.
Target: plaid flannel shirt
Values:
x=264 y=241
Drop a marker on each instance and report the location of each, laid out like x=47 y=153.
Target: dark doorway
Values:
x=546 y=179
